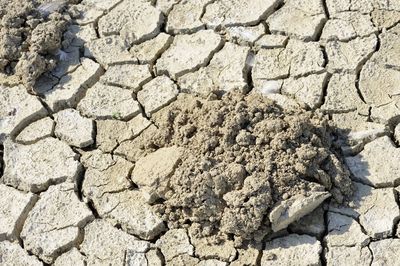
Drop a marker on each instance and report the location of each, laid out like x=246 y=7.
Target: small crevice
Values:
x=93 y=209
x=325 y=86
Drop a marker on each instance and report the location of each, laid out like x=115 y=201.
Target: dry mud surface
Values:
x=207 y=132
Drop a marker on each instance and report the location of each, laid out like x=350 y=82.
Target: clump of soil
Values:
x=30 y=39
x=242 y=155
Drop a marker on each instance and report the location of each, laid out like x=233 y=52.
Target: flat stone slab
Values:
x=377 y=165
x=104 y=244
x=33 y=168
x=288 y=211
x=245 y=35
x=135 y=21
x=227 y=71
x=185 y=17
x=238 y=12
x=188 y=53
x=14 y=208
x=299 y=19
x=385 y=251
x=108 y=102
x=343 y=255
x=53 y=225
x=72 y=87
x=128 y=76
x=174 y=243
x=72 y=257
x=74 y=129
x=36 y=131
x=270 y=41
x=292 y=250
x=13 y=254
x=157 y=94
x=17 y=110
x=148 y=51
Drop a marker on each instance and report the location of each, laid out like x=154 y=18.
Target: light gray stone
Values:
x=157 y=94
x=385 y=252
x=351 y=256
x=33 y=168
x=104 y=244
x=80 y=35
x=212 y=262
x=245 y=35
x=377 y=164
x=227 y=71
x=14 y=208
x=175 y=242
x=53 y=225
x=288 y=211
x=185 y=17
x=292 y=250
x=127 y=76
x=184 y=260
x=247 y=256
x=86 y=14
x=188 y=52
x=270 y=41
x=238 y=12
x=72 y=87
x=72 y=257
x=154 y=257
x=148 y=51
x=342 y=94
x=74 y=129
x=135 y=21
x=17 y=110
x=312 y=224
x=153 y=171
x=36 y=131
x=12 y=254
x=300 y=19
x=308 y=90
x=349 y=56
x=344 y=231
x=108 y=102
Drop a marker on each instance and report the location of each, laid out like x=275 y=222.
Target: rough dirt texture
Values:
x=99 y=168
x=241 y=156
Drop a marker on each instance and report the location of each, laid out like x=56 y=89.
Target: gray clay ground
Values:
x=77 y=189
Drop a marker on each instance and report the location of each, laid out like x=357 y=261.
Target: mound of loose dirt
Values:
x=241 y=156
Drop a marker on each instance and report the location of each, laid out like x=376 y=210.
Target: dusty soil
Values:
x=241 y=156
x=30 y=39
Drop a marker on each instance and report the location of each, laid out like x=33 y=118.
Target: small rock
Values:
x=245 y=35
x=292 y=250
x=152 y=172
x=135 y=21
x=106 y=245
x=349 y=56
x=74 y=129
x=110 y=133
x=72 y=257
x=157 y=94
x=174 y=243
x=312 y=224
x=385 y=252
x=154 y=257
x=270 y=41
x=238 y=12
x=227 y=71
x=342 y=94
x=17 y=110
x=344 y=231
x=288 y=211
x=367 y=167
x=14 y=208
x=33 y=168
x=127 y=76
x=72 y=87
x=300 y=19
x=185 y=17
x=36 y=131
x=308 y=90
x=108 y=102
x=13 y=254
x=343 y=255
x=109 y=50
x=53 y=225
x=188 y=52
x=148 y=51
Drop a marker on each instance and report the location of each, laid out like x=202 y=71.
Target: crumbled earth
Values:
x=212 y=132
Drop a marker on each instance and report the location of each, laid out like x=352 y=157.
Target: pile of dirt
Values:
x=30 y=39
x=242 y=155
